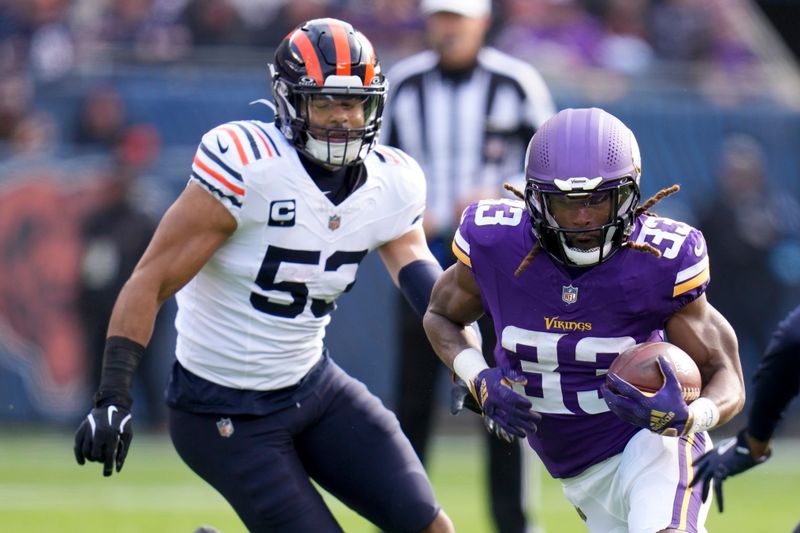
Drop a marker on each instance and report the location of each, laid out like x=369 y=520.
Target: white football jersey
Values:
x=254 y=317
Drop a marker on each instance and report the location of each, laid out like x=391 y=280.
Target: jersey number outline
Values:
x=267 y=273
x=494 y=212
x=550 y=396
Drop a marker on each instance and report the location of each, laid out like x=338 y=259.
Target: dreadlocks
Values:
x=643 y=209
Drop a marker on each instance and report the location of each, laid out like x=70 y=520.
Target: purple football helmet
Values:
x=582 y=159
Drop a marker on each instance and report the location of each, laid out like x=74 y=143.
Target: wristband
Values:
x=477 y=330
x=704 y=415
x=468 y=364
x=121 y=357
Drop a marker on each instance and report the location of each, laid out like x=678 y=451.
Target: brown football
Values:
x=638 y=366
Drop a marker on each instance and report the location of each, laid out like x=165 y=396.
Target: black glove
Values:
x=461 y=398
x=729 y=457
x=104 y=436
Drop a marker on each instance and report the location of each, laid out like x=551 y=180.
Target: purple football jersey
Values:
x=563 y=332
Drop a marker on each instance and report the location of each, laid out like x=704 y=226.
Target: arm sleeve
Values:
x=777 y=380
x=416 y=281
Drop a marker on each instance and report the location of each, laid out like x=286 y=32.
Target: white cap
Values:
x=466 y=8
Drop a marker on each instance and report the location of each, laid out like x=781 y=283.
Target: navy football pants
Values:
x=340 y=435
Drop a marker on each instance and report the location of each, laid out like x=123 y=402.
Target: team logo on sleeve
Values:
x=281 y=213
x=569 y=294
x=334 y=221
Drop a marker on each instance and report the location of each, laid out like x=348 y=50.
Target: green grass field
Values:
x=42 y=490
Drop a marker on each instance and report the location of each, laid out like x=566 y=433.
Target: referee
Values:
x=465 y=112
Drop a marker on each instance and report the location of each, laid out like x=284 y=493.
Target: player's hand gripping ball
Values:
x=651 y=384
x=639 y=367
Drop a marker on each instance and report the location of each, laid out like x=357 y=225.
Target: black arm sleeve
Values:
x=777 y=379
x=121 y=357
x=416 y=281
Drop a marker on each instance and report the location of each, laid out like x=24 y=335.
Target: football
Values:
x=639 y=367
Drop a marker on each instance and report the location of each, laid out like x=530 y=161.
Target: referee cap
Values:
x=466 y=8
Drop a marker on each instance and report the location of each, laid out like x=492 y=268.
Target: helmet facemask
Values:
x=340 y=146
x=612 y=205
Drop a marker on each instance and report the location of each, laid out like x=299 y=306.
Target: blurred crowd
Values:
x=44 y=41
x=51 y=37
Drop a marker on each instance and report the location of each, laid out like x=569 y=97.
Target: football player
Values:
x=268 y=233
x=776 y=382
x=612 y=275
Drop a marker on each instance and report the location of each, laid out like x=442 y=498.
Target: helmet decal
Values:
x=308 y=55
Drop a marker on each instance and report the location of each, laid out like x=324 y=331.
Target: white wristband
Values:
x=468 y=364
x=705 y=415
x=477 y=330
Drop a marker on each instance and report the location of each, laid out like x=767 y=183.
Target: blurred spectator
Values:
x=394 y=26
x=551 y=33
x=146 y=29
x=681 y=30
x=214 y=22
x=624 y=48
x=45 y=36
x=102 y=118
x=746 y=223
x=35 y=135
x=115 y=236
x=289 y=15
x=16 y=93
x=699 y=30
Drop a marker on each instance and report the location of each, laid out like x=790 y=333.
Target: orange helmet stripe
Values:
x=369 y=60
x=342 y=44
x=309 y=55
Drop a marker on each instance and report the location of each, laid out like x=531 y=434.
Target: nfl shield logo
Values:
x=569 y=294
x=225 y=427
x=334 y=221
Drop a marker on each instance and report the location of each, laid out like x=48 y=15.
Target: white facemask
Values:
x=587 y=257
x=339 y=154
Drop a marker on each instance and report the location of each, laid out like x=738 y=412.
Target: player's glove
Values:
x=104 y=436
x=664 y=412
x=510 y=412
x=730 y=457
x=461 y=398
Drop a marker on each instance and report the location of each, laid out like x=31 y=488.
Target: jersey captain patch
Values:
x=282 y=213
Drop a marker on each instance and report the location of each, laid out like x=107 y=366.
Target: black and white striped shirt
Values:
x=468 y=131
